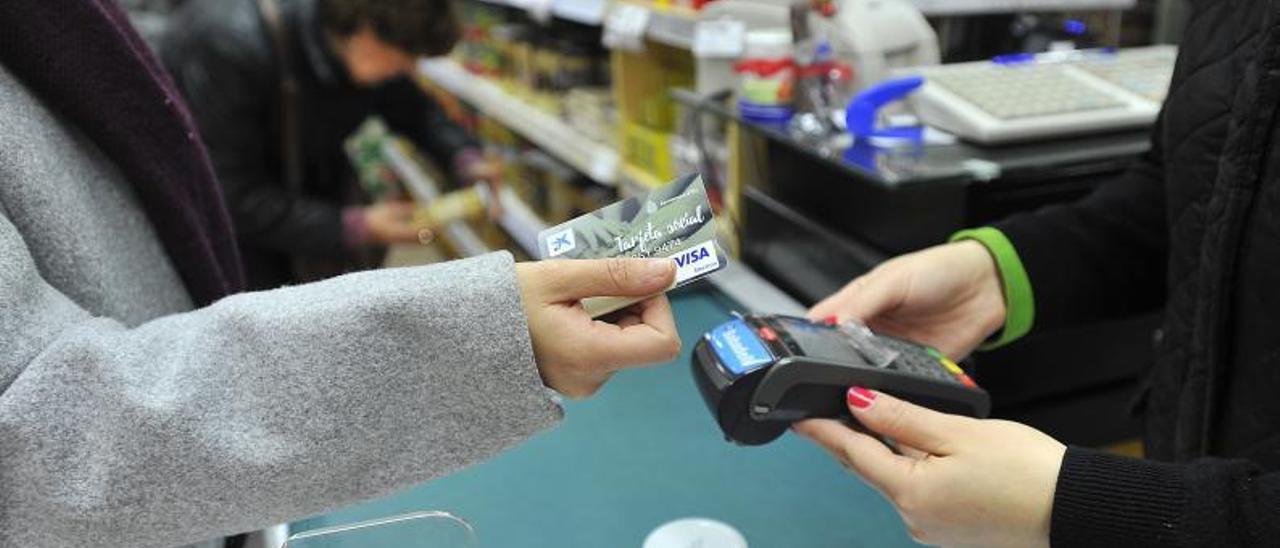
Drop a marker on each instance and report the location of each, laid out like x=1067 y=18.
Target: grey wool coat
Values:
x=129 y=419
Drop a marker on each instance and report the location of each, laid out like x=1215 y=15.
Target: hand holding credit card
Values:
x=674 y=221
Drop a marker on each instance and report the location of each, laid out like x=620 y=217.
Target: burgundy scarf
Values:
x=86 y=62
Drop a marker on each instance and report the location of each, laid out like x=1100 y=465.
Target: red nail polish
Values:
x=832 y=320
x=860 y=398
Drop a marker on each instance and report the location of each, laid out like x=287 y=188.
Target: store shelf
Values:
x=628 y=24
x=970 y=7
x=520 y=222
x=628 y=21
x=670 y=25
x=639 y=179
x=551 y=134
x=587 y=12
x=673 y=26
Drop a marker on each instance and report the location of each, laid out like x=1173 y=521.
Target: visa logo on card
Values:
x=696 y=262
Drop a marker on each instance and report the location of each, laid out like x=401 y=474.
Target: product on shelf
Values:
x=467 y=204
x=478 y=51
x=647 y=112
x=583 y=62
x=591 y=111
x=538 y=62
x=554 y=199
x=648 y=149
x=364 y=149
x=558 y=67
x=590 y=197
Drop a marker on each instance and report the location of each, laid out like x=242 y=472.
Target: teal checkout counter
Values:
x=644 y=452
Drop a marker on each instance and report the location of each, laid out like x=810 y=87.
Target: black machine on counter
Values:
x=758 y=374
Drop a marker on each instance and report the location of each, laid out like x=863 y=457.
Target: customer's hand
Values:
x=488 y=172
x=956 y=481
x=577 y=354
x=390 y=223
x=481 y=169
x=948 y=297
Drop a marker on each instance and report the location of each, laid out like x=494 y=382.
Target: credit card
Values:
x=674 y=221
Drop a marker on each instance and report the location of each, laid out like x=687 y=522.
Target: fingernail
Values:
x=860 y=398
x=832 y=320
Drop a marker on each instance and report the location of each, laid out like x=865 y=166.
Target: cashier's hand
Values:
x=956 y=481
x=949 y=297
x=577 y=354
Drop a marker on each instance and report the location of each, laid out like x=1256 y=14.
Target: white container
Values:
x=766 y=69
x=702 y=532
x=768 y=44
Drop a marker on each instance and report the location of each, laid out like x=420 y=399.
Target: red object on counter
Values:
x=763 y=67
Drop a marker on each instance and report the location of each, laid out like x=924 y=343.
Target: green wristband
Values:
x=1020 y=306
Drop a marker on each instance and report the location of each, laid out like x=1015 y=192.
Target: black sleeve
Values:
x=1103 y=257
x=1107 y=500
x=231 y=90
x=408 y=110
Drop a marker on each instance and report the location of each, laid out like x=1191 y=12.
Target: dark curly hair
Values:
x=420 y=27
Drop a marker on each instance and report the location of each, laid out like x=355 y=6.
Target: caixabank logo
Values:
x=560 y=243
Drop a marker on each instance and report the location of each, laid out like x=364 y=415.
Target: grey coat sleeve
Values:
x=259 y=409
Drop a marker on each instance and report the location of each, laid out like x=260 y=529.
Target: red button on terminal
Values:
x=767 y=334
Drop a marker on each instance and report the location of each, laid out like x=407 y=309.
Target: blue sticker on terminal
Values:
x=738 y=347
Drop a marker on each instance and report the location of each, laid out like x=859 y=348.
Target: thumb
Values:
x=863 y=299
x=579 y=279
x=904 y=422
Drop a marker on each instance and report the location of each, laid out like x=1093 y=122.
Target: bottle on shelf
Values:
x=467 y=204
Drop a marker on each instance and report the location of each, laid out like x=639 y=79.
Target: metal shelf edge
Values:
x=599 y=162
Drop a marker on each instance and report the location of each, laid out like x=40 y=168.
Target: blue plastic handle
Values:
x=1075 y=27
x=864 y=111
x=1014 y=59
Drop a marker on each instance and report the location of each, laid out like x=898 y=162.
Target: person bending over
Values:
x=295 y=205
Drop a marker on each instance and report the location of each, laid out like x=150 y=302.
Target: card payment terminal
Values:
x=758 y=374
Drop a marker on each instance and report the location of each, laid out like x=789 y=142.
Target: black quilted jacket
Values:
x=224 y=61
x=1195 y=228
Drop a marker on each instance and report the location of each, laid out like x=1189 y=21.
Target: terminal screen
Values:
x=819 y=341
